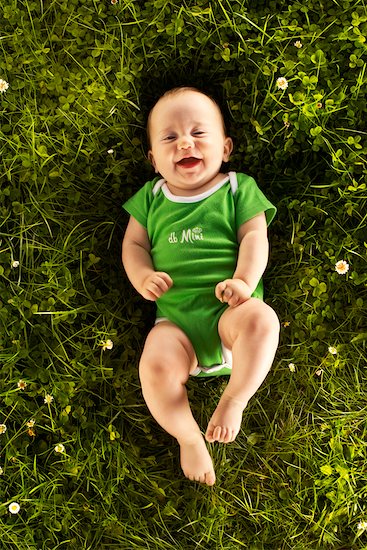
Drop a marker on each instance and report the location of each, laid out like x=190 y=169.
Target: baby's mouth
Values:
x=189 y=162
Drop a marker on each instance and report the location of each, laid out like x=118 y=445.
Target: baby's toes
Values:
x=210 y=478
x=220 y=434
x=227 y=435
x=209 y=434
x=230 y=437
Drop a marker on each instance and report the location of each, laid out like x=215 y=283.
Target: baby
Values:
x=196 y=244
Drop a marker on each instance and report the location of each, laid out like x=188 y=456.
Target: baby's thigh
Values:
x=168 y=352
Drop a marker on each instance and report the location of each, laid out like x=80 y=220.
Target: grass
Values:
x=82 y=77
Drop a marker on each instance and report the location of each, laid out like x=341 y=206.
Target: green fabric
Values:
x=196 y=244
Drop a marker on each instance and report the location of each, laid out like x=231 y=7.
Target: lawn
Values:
x=83 y=466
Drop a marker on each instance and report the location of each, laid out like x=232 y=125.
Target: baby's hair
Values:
x=176 y=91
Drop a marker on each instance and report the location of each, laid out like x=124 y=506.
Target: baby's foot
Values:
x=225 y=423
x=196 y=462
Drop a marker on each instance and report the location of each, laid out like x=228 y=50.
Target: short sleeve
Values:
x=251 y=201
x=139 y=204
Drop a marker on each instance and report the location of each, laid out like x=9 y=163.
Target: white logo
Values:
x=187 y=236
x=172 y=238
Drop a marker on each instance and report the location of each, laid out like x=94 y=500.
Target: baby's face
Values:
x=188 y=143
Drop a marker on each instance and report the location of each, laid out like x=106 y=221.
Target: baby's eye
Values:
x=198 y=133
x=169 y=138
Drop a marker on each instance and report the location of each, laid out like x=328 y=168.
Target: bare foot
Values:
x=196 y=462
x=225 y=423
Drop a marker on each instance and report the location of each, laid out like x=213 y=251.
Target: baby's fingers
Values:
x=158 y=285
x=219 y=289
x=165 y=278
x=223 y=292
x=234 y=300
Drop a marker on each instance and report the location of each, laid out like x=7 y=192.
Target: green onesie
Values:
x=194 y=240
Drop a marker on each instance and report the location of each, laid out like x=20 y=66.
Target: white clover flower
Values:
x=1 y=471
x=3 y=85
x=2 y=428
x=110 y=151
x=30 y=423
x=341 y=267
x=15 y=264
x=332 y=350
x=108 y=344
x=14 y=508
x=362 y=526
x=59 y=448
x=282 y=83
x=292 y=367
x=22 y=385
x=298 y=44
x=48 y=399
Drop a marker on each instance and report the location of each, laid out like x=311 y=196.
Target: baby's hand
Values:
x=233 y=292
x=155 y=285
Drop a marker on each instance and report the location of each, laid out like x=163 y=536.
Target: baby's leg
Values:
x=251 y=331
x=168 y=358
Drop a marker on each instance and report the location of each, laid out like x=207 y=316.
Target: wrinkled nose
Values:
x=185 y=143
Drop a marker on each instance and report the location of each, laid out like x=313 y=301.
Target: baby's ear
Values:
x=228 y=148
x=152 y=161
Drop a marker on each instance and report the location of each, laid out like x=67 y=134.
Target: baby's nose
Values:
x=185 y=143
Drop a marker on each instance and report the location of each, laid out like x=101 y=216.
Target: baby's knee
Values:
x=154 y=368
x=164 y=366
x=167 y=356
x=263 y=321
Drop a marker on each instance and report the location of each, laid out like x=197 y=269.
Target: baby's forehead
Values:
x=184 y=102
x=189 y=99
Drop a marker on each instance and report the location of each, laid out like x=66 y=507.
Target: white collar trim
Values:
x=195 y=198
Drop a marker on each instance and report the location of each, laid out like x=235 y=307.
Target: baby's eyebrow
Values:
x=169 y=129
x=166 y=131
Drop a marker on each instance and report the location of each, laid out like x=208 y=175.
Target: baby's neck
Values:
x=192 y=192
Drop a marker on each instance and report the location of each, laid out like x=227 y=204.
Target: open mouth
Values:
x=189 y=162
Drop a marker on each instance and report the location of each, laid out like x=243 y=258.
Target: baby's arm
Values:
x=138 y=263
x=251 y=263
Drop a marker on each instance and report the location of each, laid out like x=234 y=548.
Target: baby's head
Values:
x=187 y=137
x=176 y=92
